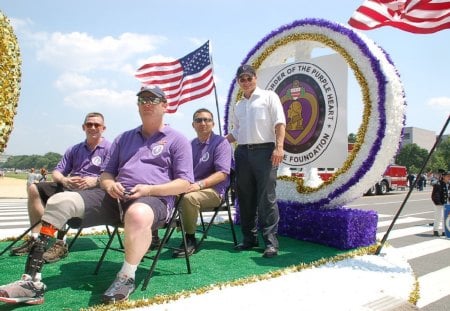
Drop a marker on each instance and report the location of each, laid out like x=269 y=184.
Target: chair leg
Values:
x=170 y=228
x=233 y=232
x=19 y=237
x=75 y=238
x=202 y=221
x=183 y=233
x=167 y=234
x=205 y=231
x=107 y=247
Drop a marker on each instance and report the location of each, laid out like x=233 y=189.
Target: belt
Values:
x=258 y=146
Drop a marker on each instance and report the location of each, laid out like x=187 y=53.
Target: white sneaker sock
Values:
x=128 y=270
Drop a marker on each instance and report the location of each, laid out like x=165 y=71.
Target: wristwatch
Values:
x=201 y=184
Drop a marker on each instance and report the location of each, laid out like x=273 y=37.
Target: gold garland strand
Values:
x=10 y=63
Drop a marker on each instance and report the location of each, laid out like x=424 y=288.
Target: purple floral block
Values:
x=339 y=227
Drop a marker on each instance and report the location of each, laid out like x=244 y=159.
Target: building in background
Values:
x=421 y=137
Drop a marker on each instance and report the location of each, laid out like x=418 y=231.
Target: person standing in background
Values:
x=259 y=126
x=32 y=177
x=439 y=196
x=43 y=175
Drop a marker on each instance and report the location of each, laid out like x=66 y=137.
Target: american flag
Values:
x=183 y=80
x=416 y=16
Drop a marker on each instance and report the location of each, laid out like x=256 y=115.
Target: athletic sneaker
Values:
x=24 y=248
x=23 y=291
x=120 y=290
x=57 y=252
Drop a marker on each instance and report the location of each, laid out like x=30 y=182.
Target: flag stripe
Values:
x=416 y=16
x=183 y=80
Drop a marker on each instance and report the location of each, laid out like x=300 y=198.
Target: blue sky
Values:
x=80 y=56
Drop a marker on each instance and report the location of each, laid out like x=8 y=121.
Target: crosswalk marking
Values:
x=13 y=218
x=434 y=286
x=424 y=248
x=400 y=233
x=405 y=220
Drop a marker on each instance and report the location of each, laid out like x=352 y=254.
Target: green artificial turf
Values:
x=72 y=284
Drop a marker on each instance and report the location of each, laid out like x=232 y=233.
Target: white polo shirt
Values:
x=254 y=119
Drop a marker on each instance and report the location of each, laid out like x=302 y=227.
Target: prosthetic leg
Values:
x=35 y=259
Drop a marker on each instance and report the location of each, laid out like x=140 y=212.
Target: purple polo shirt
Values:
x=212 y=156
x=79 y=160
x=163 y=157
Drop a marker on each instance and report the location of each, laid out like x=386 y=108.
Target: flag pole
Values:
x=215 y=91
x=438 y=140
x=218 y=113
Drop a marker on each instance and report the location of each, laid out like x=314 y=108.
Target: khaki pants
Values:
x=193 y=202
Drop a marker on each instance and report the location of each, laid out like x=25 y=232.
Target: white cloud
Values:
x=100 y=99
x=70 y=81
x=197 y=41
x=20 y=24
x=440 y=103
x=154 y=59
x=81 y=52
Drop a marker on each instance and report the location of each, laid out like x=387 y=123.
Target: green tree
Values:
x=25 y=162
x=413 y=157
x=441 y=156
x=53 y=158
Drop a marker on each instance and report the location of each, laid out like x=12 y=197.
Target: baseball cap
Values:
x=245 y=70
x=155 y=90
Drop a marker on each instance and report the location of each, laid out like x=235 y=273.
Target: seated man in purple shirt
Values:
x=78 y=169
x=211 y=155
x=146 y=169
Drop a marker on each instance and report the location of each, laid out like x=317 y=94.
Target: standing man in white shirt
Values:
x=259 y=127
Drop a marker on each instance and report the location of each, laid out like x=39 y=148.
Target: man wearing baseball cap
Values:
x=258 y=123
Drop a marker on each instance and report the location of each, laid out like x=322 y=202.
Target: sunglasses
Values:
x=149 y=100
x=200 y=120
x=248 y=79
x=94 y=125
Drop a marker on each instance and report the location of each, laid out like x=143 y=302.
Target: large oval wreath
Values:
x=383 y=115
x=9 y=79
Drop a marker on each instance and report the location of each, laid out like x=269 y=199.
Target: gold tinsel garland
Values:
x=10 y=63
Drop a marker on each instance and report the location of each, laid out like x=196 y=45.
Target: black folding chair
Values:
x=170 y=226
x=73 y=223
x=225 y=205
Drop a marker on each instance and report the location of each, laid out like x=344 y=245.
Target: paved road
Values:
x=412 y=236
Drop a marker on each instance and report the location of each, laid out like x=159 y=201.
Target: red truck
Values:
x=394 y=178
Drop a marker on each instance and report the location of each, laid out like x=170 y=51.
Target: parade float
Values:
x=319 y=214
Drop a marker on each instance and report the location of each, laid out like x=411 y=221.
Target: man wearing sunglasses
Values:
x=78 y=169
x=258 y=127
x=146 y=168
x=212 y=162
